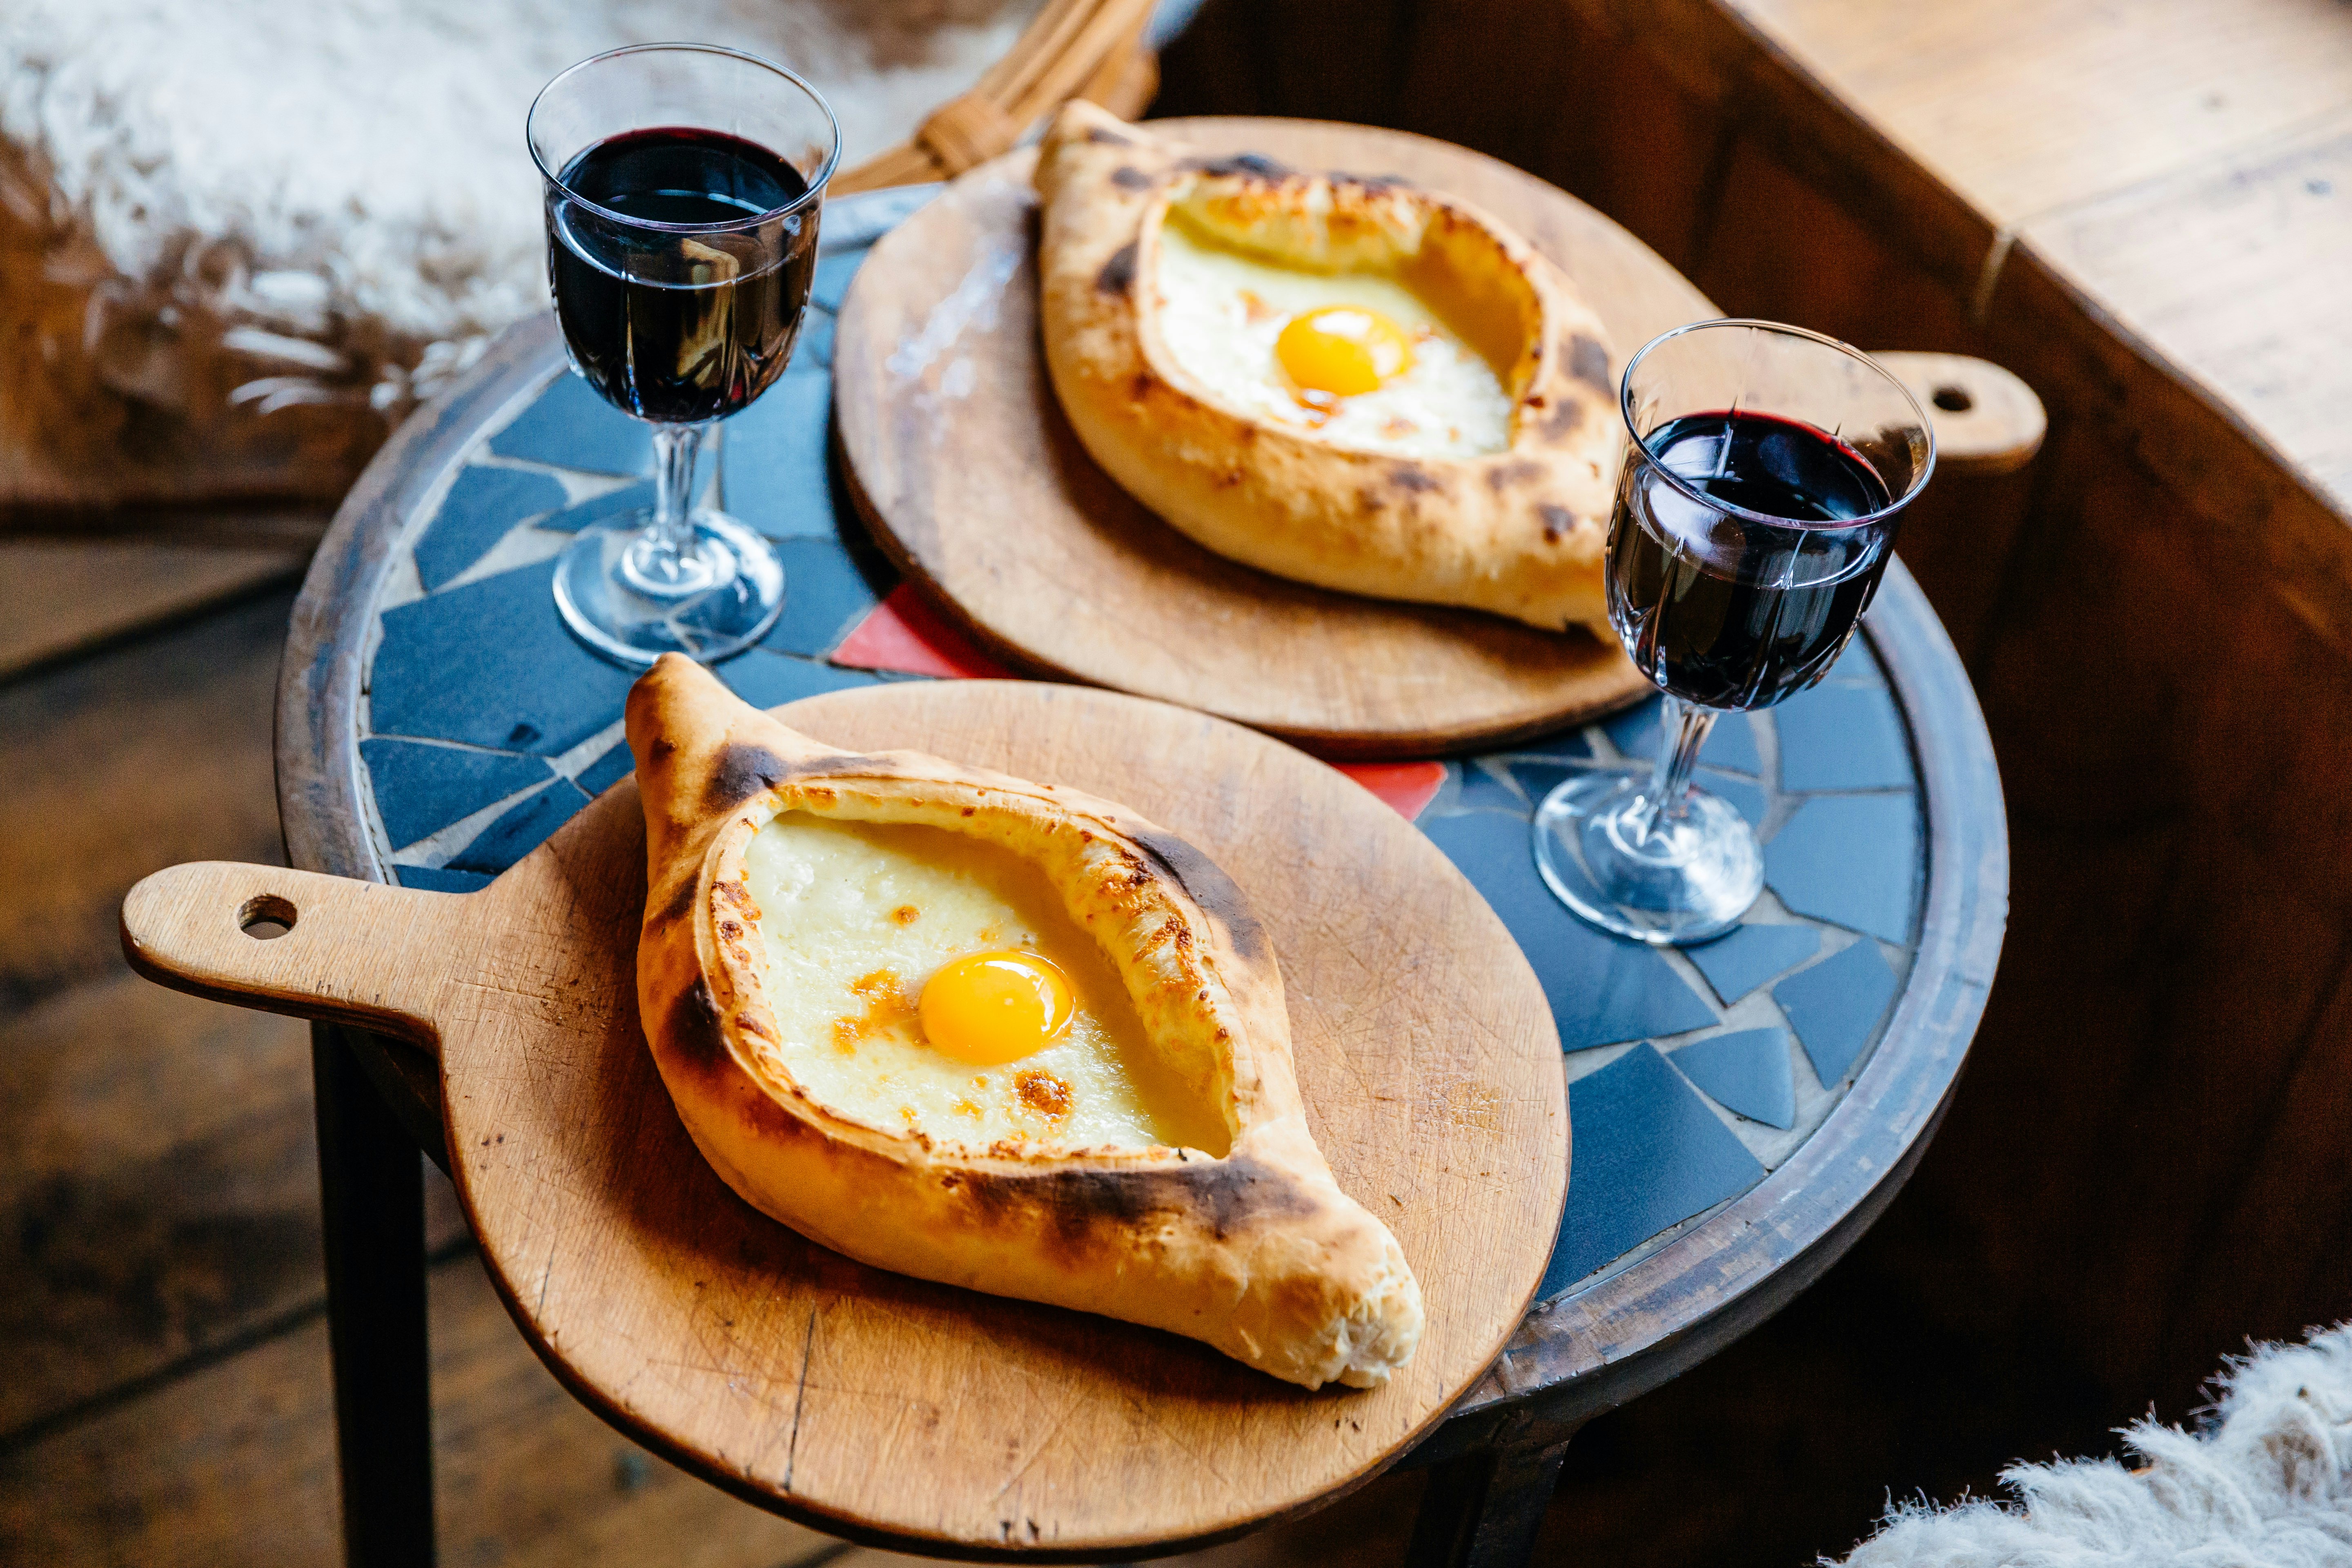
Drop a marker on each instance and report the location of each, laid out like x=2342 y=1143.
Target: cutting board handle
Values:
x=1987 y=422
x=295 y=942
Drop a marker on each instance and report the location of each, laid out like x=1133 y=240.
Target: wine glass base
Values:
x=628 y=601
x=1688 y=879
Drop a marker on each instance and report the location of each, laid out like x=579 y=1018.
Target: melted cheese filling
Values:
x=1221 y=312
x=855 y=917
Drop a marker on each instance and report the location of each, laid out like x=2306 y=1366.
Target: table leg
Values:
x=372 y=1199
x=1482 y=1510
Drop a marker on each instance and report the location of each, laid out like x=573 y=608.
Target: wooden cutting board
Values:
x=883 y=1407
x=963 y=466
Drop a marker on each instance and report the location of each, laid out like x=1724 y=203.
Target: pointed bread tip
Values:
x=658 y=693
x=1077 y=117
x=1081 y=129
x=1258 y=1251
x=684 y=726
x=700 y=751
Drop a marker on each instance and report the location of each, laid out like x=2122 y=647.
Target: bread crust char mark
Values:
x=1519 y=533
x=1257 y=1252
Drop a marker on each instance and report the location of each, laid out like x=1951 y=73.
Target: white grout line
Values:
x=438 y=850
x=570 y=765
x=524 y=544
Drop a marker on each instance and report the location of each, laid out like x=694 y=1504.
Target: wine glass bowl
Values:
x=683 y=184
x=1766 y=472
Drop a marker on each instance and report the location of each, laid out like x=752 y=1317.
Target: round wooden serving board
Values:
x=960 y=461
x=884 y=1407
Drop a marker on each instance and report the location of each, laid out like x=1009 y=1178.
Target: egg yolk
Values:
x=988 y=1008
x=1342 y=351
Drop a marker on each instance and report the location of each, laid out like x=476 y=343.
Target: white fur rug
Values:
x=210 y=207
x=2267 y=1485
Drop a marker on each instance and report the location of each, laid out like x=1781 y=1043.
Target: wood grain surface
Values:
x=68 y=595
x=884 y=1408
x=2232 y=270
x=1987 y=422
x=233 y=1465
x=988 y=501
x=2024 y=108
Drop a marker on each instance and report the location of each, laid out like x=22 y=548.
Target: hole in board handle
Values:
x=1953 y=399
x=266 y=917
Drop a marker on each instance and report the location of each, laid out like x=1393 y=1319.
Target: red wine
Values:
x=677 y=325
x=1723 y=609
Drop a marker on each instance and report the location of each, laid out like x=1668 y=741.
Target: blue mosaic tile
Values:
x=607 y=770
x=599 y=509
x=1738 y=963
x=1835 y=1007
x=1851 y=859
x=481 y=506
x=1747 y=1074
x=1602 y=990
x=571 y=427
x=813 y=350
x=825 y=596
x=833 y=275
x=1857 y=666
x=1747 y=797
x=521 y=830
x=1644 y=1154
x=1540 y=778
x=492 y=664
x=440 y=879
x=770 y=680
x=1482 y=790
x=639 y=497
x=1842 y=737
x=1731 y=743
x=1568 y=745
x=421 y=789
x=774 y=472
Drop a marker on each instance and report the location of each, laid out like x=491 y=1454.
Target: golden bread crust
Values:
x=1258 y=1253
x=1518 y=532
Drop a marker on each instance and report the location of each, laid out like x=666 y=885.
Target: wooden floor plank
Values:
x=159 y=1190
x=234 y=1466
x=140 y=757
x=158 y=1187
x=65 y=595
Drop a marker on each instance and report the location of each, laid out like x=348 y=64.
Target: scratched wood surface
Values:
x=885 y=1407
x=66 y=595
x=990 y=502
x=234 y=1463
x=1987 y=422
x=2025 y=108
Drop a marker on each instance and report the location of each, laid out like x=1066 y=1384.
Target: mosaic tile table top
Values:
x=482 y=726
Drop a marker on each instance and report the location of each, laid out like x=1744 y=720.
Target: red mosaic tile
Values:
x=904 y=633
x=1407 y=786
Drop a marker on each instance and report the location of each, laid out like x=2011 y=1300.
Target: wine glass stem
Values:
x=676 y=447
x=1667 y=798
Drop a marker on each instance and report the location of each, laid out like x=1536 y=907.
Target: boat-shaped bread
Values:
x=992 y=1033
x=1342 y=379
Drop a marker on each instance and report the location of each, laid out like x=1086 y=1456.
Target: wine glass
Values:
x=683 y=186
x=1756 y=512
